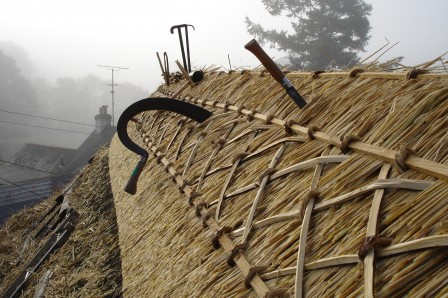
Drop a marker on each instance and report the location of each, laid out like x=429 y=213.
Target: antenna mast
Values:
x=112 y=92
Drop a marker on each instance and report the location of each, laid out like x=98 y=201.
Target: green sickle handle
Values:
x=131 y=186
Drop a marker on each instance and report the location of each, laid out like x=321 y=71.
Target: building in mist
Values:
x=37 y=170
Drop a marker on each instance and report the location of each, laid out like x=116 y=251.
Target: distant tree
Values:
x=127 y=94
x=327 y=33
x=78 y=99
x=16 y=91
x=17 y=95
x=20 y=55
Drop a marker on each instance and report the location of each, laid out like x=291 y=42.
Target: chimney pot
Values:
x=102 y=120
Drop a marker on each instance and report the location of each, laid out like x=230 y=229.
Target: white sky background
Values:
x=70 y=38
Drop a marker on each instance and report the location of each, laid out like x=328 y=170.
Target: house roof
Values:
x=37 y=170
x=90 y=146
x=55 y=159
x=310 y=192
x=43 y=158
x=15 y=173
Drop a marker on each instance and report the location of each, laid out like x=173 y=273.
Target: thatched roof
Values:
x=345 y=197
x=88 y=263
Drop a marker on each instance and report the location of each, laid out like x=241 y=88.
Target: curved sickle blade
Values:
x=189 y=110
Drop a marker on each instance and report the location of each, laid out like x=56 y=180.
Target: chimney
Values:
x=102 y=120
x=61 y=161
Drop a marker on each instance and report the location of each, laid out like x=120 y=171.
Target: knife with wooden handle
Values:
x=275 y=71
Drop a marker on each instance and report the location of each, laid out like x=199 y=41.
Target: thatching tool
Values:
x=189 y=110
x=178 y=27
x=193 y=77
x=57 y=203
x=56 y=240
x=185 y=73
x=275 y=71
x=165 y=67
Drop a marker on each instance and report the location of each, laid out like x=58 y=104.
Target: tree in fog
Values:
x=16 y=92
x=78 y=99
x=327 y=33
x=20 y=55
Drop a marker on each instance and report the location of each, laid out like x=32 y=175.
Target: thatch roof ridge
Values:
x=419 y=164
x=426 y=166
x=389 y=75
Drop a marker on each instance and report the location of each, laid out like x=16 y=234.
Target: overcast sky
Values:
x=70 y=38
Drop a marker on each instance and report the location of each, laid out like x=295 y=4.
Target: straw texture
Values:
x=88 y=264
x=346 y=197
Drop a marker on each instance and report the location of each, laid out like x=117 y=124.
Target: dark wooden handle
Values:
x=267 y=62
x=131 y=186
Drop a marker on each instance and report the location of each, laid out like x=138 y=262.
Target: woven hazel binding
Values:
x=316 y=201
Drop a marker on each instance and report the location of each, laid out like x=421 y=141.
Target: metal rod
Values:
x=182 y=47
x=188 y=49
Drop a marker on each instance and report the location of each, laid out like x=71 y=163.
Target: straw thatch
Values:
x=88 y=264
x=343 y=198
x=346 y=197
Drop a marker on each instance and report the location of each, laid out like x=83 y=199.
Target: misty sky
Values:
x=69 y=38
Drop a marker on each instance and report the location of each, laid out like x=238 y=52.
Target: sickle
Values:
x=189 y=110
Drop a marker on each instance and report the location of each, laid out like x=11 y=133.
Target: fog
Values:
x=68 y=39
